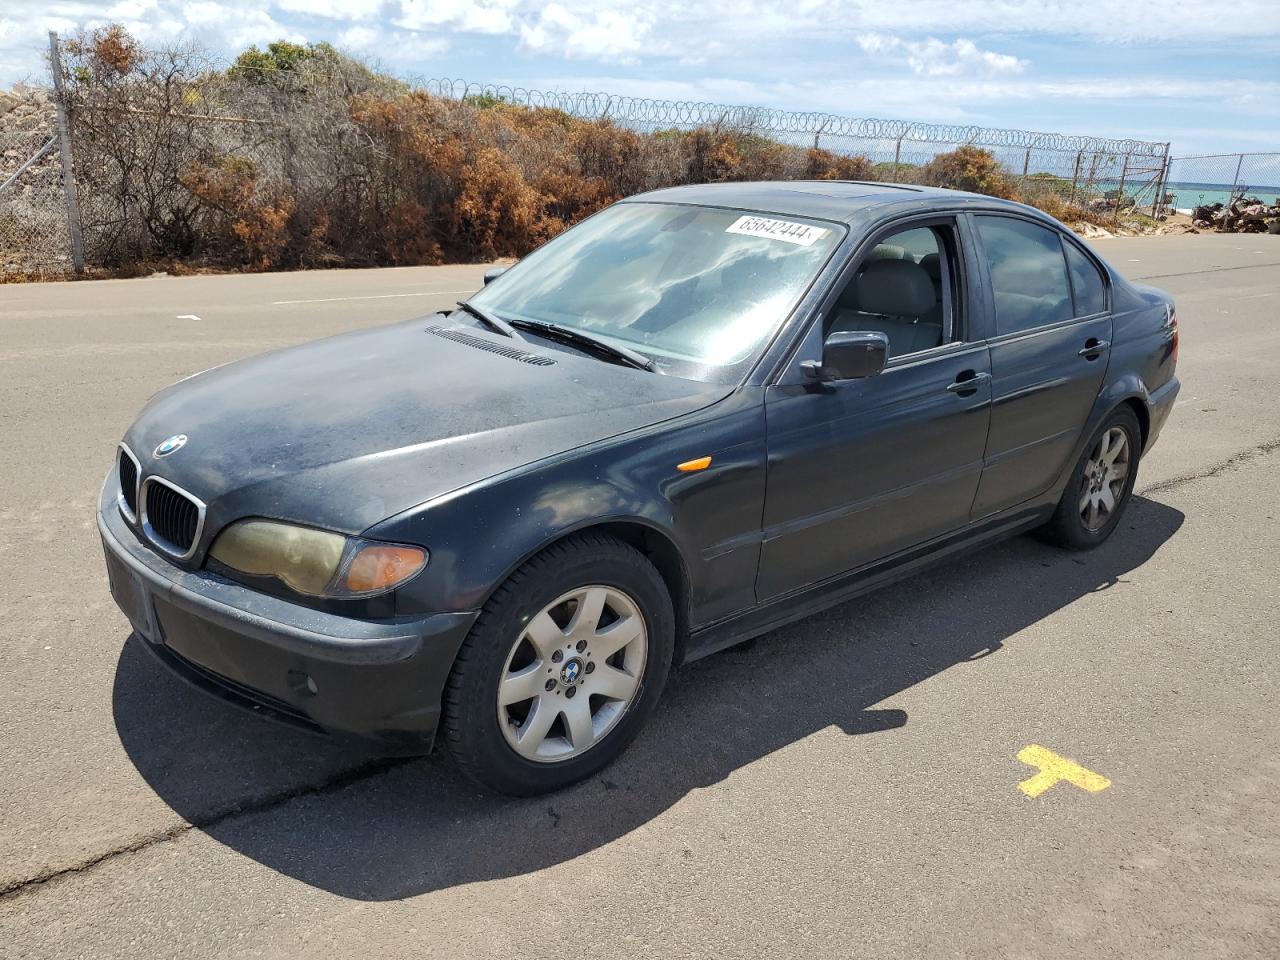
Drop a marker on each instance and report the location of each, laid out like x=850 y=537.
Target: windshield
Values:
x=698 y=289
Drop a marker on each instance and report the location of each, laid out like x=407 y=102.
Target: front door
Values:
x=861 y=469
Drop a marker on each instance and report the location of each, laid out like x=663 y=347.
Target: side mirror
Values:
x=850 y=355
x=492 y=274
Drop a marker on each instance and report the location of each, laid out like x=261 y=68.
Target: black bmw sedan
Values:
x=698 y=415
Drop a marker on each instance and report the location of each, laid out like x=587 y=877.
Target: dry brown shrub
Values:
x=568 y=198
x=762 y=159
x=105 y=50
x=824 y=165
x=253 y=230
x=497 y=213
x=1071 y=214
x=408 y=237
x=710 y=155
x=226 y=184
x=610 y=154
x=969 y=168
x=263 y=229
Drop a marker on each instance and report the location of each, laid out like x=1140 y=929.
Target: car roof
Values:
x=843 y=200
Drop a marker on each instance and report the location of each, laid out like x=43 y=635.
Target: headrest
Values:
x=896 y=288
x=888 y=251
x=932 y=264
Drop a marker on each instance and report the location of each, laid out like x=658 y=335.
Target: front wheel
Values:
x=1100 y=486
x=565 y=663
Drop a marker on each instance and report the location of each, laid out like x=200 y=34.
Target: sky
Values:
x=1203 y=75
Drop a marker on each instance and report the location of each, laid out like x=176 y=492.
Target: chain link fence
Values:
x=1193 y=183
x=1080 y=169
x=181 y=159
x=33 y=218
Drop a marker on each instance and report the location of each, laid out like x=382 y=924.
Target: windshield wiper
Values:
x=490 y=320
x=586 y=342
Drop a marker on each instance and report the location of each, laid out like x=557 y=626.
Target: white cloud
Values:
x=597 y=35
x=1127 y=21
x=130 y=9
x=932 y=57
x=333 y=9
x=238 y=24
x=468 y=16
x=409 y=46
x=359 y=38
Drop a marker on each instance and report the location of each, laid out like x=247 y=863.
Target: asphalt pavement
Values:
x=849 y=786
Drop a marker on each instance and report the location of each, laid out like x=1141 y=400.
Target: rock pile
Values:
x=27 y=108
x=1242 y=215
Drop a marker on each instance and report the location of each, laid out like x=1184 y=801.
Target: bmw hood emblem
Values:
x=172 y=445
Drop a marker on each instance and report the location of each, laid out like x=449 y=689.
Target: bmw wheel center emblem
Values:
x=172 y=445
x=570 y=672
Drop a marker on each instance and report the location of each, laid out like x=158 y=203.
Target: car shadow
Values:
x=371 y=828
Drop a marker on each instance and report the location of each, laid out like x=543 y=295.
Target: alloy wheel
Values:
x=571 y=673
x=1105 y=474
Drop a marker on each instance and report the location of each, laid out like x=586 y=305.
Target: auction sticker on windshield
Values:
x=784 y=230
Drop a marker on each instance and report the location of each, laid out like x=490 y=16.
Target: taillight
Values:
x=1171 y=321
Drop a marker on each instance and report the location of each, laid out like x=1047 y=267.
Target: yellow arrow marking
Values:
x=1054 y=768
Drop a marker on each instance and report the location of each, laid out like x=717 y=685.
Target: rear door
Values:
x=1052 y=333
x=861 y=469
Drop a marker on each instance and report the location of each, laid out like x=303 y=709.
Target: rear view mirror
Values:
x=850 y=355
x=492 y=274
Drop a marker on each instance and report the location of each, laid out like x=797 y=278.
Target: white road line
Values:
x=377 y=296
x=186 y=316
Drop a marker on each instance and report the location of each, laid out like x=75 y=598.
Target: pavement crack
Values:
x=1235 y=460
x=1190 y=273
x=339 y=781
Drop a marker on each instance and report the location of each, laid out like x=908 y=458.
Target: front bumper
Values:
x=378 y=680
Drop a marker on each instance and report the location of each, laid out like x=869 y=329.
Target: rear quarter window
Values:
x=1028 y=273
x=1086 y=282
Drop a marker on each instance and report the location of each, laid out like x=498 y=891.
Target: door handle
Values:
x=1094 y=348
x=968 y=385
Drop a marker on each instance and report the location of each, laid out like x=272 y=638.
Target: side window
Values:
x=1028 y=273
x=905 y=289
x=1086 y=282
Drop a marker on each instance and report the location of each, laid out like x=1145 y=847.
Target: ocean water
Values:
x=1189 y=195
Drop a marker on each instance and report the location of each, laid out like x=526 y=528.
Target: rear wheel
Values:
x=565 y=663
x=1100 y=486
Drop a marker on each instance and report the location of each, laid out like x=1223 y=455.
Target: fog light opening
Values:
x=302 y=684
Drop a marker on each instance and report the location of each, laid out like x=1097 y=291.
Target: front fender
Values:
x=480 y=535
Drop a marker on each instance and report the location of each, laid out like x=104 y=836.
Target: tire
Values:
x=1082 y=519
x=581 y=587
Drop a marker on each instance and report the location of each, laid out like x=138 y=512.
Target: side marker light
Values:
x=690 y=466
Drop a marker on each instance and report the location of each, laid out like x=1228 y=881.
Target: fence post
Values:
x=1075 y=178
x=1235 y=181
x=68 y=171
x=897 y=153
x=1161 y=179
x=1124 y=172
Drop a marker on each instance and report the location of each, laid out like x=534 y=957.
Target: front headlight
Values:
x=313 y=562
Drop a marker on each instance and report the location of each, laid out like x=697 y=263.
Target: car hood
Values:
x=344 y=432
